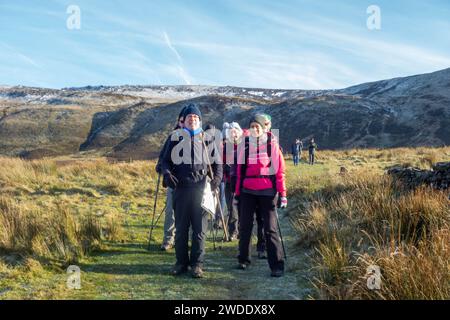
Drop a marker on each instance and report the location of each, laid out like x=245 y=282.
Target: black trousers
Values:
x=188 y=212
x=261 y=241
x=233 y=215
x=266 y=205
x=311 y=158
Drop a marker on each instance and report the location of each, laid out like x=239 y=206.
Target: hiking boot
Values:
x=166 y=246
x=179 y=269
x=262 y=255
x=277 y=273
x=197 y=272
x=242 y=266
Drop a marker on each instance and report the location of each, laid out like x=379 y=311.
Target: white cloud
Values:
x=17 y=53
x=387 y=53
x=179 y=67
x=169 y=44
x=276 y=68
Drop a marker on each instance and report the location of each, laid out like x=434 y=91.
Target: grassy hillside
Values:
x=364 y=218
x=132 y=121
x=95 y=214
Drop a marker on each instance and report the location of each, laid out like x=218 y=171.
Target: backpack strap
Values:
x=244 y=165
x=272 y=177
x=269 y=147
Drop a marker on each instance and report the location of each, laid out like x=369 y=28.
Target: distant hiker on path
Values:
x=300 y=149
x=260 y=178
x=312 y=151
x=296 y=150
x=169 y=220
x=186 y=174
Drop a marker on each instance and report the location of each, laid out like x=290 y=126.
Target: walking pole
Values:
x=154 y=212
x=281 y=235
x=211 y=233
x=160 y=214
x=225 y=227
x=224 y=224
x=230 y=210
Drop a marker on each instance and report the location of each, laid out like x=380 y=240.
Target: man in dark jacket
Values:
x=185 y=166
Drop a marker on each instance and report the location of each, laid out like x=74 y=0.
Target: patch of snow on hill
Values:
x=256 y=93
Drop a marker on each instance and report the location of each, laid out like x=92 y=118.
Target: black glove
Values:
x=158 y=167
x=170 y=180
x=215 y=184
x=236 y=200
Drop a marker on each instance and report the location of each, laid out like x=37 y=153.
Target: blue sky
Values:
x=252 y=43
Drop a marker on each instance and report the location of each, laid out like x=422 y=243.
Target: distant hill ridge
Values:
x=132 y=121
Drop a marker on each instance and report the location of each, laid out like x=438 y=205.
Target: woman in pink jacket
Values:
x=260 y=180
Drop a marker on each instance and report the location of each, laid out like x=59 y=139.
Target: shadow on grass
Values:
x=128 y=269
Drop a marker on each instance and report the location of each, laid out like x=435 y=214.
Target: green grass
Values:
x=124 y=268
x=121 y=267
x=129 y=271
x=364 y=218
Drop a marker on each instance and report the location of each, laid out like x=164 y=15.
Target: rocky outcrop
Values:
x=438 y=177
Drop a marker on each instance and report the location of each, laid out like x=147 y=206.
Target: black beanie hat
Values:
x=192 y=109
x=258 y=118
x=182 y=113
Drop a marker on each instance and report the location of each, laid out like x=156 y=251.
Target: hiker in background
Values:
x=210 y=130
x=300 y=149
x=169 y=219
x=187 y=177
x=295 y=150
x=232 y=134
x=312 y=151
x=260 y=178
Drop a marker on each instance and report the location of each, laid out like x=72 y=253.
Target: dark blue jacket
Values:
x=312 y=147
x=191 y=174
x=296 y=148
x=161 y=154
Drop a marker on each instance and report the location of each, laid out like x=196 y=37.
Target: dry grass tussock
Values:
x=41 y=205
x=422 y=157
x=367 y=219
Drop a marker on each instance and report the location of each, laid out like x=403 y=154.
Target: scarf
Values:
x=193 y=132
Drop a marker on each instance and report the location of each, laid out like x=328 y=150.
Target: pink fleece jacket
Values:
x=259 y=164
